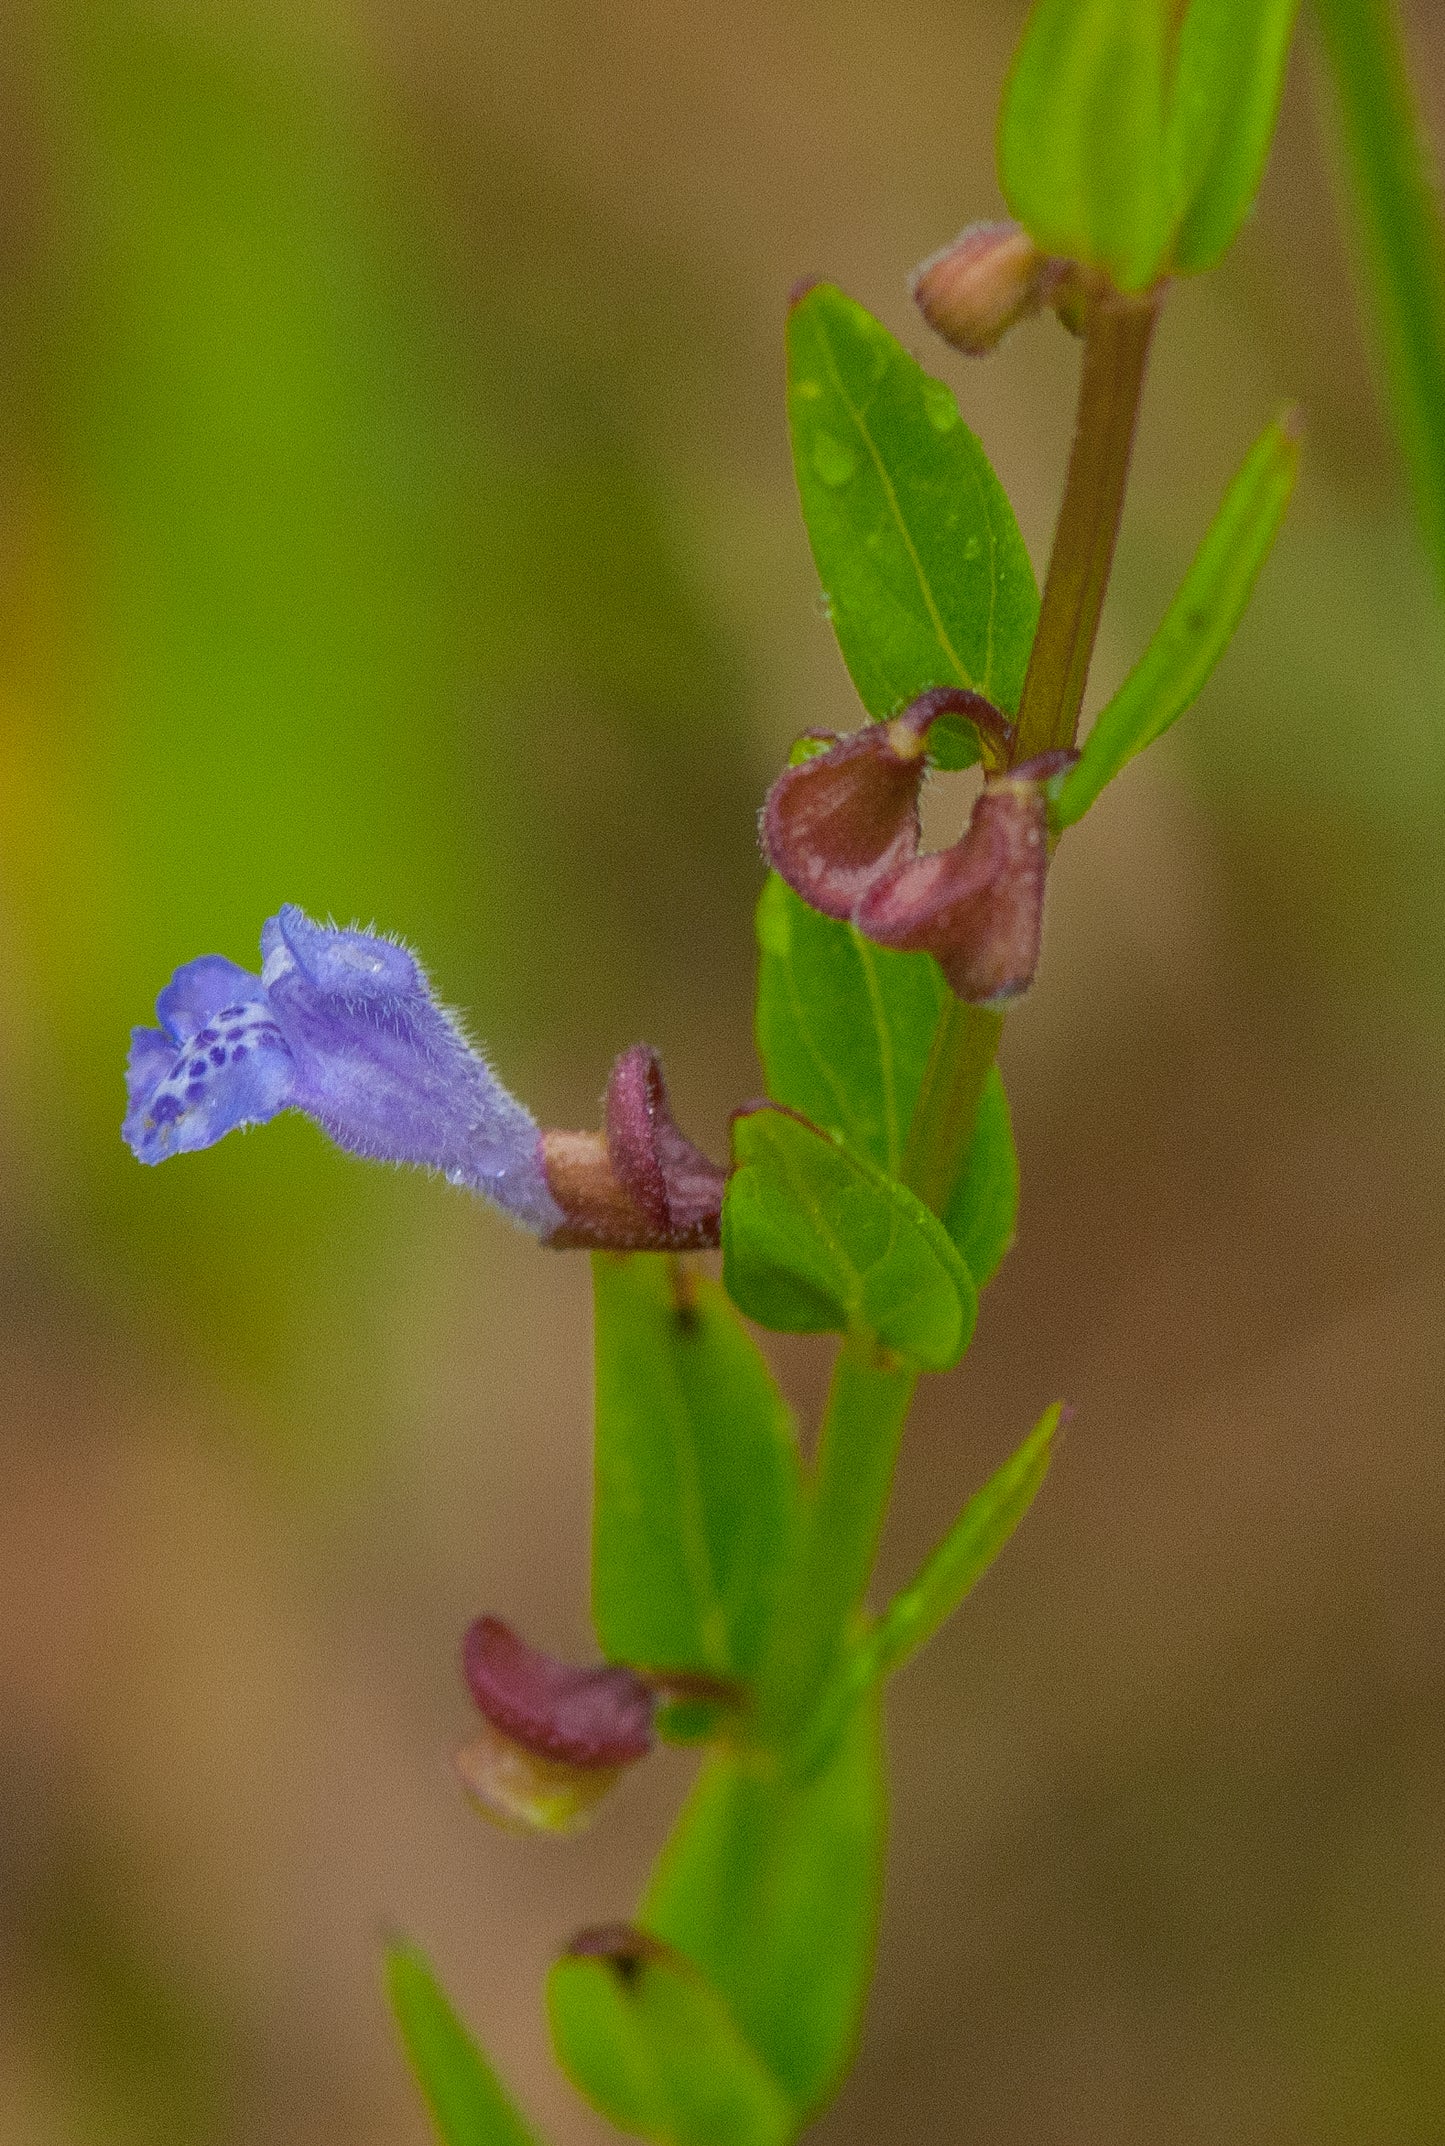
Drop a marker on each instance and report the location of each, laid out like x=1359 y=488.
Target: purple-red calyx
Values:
x=554 y=1737
x=628 y=1953
x=624 y=1948
x=599 y=1716
x=639 y=1185
x=842 y=828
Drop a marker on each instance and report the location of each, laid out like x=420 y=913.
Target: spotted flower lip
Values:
x=344 y=1026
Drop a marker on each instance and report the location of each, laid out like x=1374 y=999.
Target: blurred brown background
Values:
x=397 y=518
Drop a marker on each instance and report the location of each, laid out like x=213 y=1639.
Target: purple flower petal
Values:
x=342 y=1025
x=203 y=989
x=389 y=1073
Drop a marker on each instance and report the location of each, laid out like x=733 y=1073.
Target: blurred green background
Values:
x=396 y=518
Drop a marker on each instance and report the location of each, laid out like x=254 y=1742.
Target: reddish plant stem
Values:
x=1116 y=351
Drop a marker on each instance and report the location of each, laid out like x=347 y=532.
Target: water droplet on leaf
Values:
x=939 y=403
x=833 y=459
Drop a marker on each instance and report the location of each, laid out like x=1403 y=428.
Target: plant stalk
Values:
x=868 y=1404
x=1116 y=351
x=965 y=1044
x=869 y=1400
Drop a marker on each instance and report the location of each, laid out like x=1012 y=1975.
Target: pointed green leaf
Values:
x=817 y=1241
x=1081 y=135
x=953 y=1570
x=844 y=1031
x=697 y=1475
x=1228 y=79
x=772 y=1886
x=966 y=1552
x=468 y=2104
x=1198 y=625
x=653 y=2046
x=926 y=576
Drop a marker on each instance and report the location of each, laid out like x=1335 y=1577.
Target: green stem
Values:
x=915 y=1614
x=868 y=1404
x=965 y=1044
x=1116 y=351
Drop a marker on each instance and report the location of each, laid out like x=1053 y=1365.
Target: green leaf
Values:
x=953 y=1570
x=1081 y=135
x=1198 y=625
x=815 y=1241
x=653 y=2046
x=697 y=1475
x=1228 y=79
x=844 y=1027
x=926 y=576
x=983 y=1214
x=771 y=1885
x=966 y=1552
x=1401 y=238
x=468 y=2104
x=844 y=1030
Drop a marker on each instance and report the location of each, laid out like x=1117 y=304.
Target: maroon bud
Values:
x=625 y=1948
x=554 y=1737
x=836 y=822
x=641 y=1186
x=978 y=906
x=973 y=291
x=677 y=1187
x=598 y=1716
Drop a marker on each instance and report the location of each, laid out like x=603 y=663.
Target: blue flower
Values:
x=344 y=1026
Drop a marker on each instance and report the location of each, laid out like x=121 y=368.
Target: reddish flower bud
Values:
x=555 y=1736
x=836 y=822
x=973 y=291
x=640 y=1186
